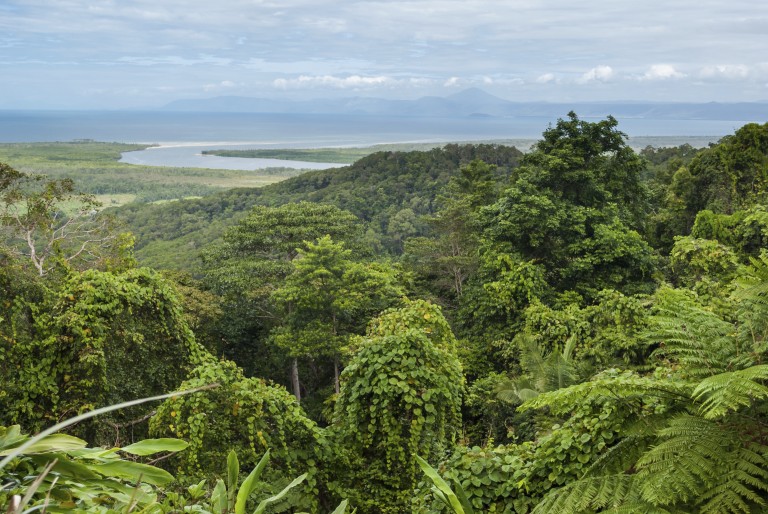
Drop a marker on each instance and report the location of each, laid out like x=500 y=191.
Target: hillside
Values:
x=375 y=188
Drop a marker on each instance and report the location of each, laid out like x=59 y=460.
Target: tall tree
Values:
x=253 y=260
x=329 y=297
x=575 y=207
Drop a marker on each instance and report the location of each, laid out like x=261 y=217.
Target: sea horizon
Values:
x=305 y=130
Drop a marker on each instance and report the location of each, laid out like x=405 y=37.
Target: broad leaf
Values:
x=133 y=471
x=249 y=484
x=151 y=446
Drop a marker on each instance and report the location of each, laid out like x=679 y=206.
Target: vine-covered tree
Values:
x=400 y=397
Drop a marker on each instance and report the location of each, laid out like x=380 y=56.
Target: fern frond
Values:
x=587 y=495
x=621 y=456
x=731 y=497
x=686 y=462
x=611 y=385
x=687 y=333
x=637 y=508
x=732 y=390
x=702 y=462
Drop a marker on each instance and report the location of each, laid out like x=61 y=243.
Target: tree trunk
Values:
x=336 y=375
x=295 y=379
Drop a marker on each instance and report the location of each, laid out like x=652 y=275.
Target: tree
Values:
x=80 y=345
x=253 y=260
x=448 y=258
x=33 y=217
x=400 y=397
x=575 y=207
x=327 y=298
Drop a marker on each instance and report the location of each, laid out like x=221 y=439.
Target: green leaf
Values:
x=279 y=496
x=219 y=498
x=233 y=475
x=65 y=467
x=52 y=443
x=133 y=471
x=443 y=486
x=341 y=509
x=151 y=446
x=249 y=484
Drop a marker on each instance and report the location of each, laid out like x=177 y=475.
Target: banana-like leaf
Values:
x=133 y=471
x=442 y=485
x=233 y=478
x=341 y=509
x=21 y=449
x=249 y=484
x=279 y=496
x=66 y=468
x=51 y=443
x=152 y=446
x=219 y=498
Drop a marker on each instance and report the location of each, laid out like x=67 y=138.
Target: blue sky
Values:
x=144 y=53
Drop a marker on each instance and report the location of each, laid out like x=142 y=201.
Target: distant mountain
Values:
x=476 y=103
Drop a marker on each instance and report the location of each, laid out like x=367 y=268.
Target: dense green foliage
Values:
x=389 y=190
x=581 y=329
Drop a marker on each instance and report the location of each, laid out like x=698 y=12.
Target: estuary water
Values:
x=183 y=135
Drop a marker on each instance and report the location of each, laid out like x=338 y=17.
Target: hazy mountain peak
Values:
x=475 y=94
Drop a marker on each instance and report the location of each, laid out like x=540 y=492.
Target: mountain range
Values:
x=475 y=102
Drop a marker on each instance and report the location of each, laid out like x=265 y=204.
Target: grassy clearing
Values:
x=95 y=169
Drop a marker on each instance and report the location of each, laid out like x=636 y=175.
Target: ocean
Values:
x=183 y=135
x=296 y=130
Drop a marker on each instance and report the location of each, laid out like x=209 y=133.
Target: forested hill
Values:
x=583 y=332
x=390 y=190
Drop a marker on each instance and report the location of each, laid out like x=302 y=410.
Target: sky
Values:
x=124 y=54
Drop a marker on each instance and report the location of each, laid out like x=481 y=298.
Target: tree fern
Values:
x=587 y=495
x=751 y=295
x=729 y=391
x=611 y=385
x=692 y=336
x=703 y=462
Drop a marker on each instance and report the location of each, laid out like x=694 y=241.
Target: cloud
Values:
x=224 y=84
x=500 y=81
x=174 y=60
x=597 y=74
x=662 y=72
x=350 y=82
x=452 y=82
x=726 y=71
x=545 y=78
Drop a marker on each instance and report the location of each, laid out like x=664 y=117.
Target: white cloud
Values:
x=224 y=84
x=452 y=82
x=662 y=72
x=597 y=74
x=350 y=82
x=502 y=81
x=545 y=78
x=727 y=71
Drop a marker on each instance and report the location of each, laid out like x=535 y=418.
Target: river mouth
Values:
x=189 y=155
